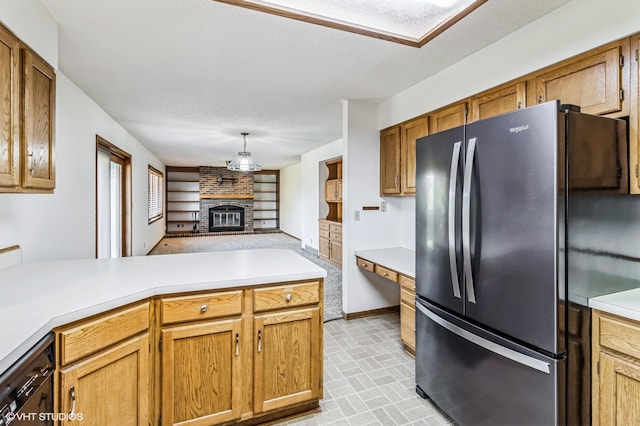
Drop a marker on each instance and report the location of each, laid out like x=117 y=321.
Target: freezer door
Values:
x=509 y=224
x=439 y=161
x=480 y=379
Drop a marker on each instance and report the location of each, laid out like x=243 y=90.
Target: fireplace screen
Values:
x=226 y=218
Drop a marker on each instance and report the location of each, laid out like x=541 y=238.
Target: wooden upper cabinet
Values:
x=27 y=118
x=499 y=101
x=410 y=133
x=39 y=122
x=595 y=81
x=390 y=161
x=634 y=119
x=448 y=117
x=9 y=110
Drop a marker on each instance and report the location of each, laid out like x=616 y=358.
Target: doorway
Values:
x=113 y=200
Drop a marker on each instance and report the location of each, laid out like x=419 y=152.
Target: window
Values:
x=156 y=189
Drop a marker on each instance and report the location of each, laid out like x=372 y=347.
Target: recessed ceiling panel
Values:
x=410 y=22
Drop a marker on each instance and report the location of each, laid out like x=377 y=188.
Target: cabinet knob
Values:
x=385 y=274
x=364 y=265
x=203 y=308
x=287 y=297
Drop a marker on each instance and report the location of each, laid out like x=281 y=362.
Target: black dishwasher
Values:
x=26 y=388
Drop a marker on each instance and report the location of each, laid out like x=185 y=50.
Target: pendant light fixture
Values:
x=244 y=162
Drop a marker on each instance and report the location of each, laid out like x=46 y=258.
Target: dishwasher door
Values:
x=26 y=388
x=478 y=378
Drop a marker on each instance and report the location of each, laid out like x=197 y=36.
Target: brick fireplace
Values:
x=221 y=187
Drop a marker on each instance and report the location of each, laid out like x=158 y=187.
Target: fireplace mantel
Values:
x=226 y=197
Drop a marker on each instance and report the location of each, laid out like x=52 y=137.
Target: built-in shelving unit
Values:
x=330 y=232
x=183 y=199
x=266 y=200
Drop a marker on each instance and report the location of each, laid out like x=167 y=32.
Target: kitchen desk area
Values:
x=396 y=264
x=153 y=326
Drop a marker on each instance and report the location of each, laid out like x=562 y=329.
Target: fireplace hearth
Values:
x=226 y=218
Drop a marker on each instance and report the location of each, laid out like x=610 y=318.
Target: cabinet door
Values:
x=331 y=190
x=390 y=161
x=201 y=373
x=411 y=132
x=496 y=102
x=287 y=359
x=408 y=325
x=38 y=123
x=634 y=122
x=619 y=391
x=111 y=387
x=593 y=81
x=9 y=110
x=448 y=118
x=336 y=252
x=324 y=249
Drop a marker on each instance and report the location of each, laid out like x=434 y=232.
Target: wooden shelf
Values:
x=227 y=197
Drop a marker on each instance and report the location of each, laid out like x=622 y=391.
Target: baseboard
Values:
x=372 y=312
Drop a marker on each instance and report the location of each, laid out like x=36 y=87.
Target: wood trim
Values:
x=353 y=28
x=104 y=145
x=226 y=197
x=372 y=312
x=8 y=249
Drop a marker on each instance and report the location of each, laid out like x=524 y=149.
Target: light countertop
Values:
x=399 y=259
x=36 y=297
x=623 y=303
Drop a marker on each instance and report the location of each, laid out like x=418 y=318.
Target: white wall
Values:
x=375 y=229
x=291 y=200
x=575 y=28
x=62 y=225
x=310 y=185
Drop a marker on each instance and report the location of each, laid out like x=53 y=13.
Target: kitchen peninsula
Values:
x=171 y=318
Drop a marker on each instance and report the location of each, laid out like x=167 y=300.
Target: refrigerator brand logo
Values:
x=519 y=129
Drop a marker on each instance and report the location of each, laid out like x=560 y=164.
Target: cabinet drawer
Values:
x=386 y=273
x=364 y=264
x=621 y=336
x=335 y=237
x=91 y=336
x=324 y=233
x=205 y=306
x=407 y=283
x=408 y=297
x=334 y=227
x=324 y=226
x=286 y=296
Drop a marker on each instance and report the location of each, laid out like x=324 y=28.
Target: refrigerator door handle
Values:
x=453 y=180
x=515 y=356
x=466 y=219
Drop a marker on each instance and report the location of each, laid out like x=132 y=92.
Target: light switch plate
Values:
x=383 y=206
x=356 y=216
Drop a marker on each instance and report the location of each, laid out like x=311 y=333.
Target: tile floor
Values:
x=369 y=378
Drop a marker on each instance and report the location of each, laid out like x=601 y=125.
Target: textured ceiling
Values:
x=186 y=77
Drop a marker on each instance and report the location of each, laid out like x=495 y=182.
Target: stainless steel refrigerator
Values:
x=493 y=314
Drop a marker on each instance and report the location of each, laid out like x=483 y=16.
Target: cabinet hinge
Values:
x=621 y=61
x=160 y=421
x=598 y=367
x=636 y=170
x=622 y=94
x=160 y=345
x=636 y=55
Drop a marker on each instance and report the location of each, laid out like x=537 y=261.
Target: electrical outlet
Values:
x=383 y=206
x=356 y=216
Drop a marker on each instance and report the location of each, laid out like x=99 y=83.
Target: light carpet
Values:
x=192 y=244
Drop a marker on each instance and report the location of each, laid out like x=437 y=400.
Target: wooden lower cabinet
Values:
x=201 y=373
x=111 y=387
x=616 y=370
x=191 y=359
x=330 y=241
x=287 y=359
